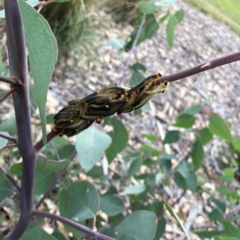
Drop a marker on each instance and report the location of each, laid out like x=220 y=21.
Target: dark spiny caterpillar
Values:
x=81 y=113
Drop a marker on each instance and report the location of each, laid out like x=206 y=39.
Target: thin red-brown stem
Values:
x=7 y=94
x=71 y=223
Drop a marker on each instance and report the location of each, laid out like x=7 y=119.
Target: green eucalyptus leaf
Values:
x=185 y=177
x=171 y=211
x=147 y=7
x=137 y=67
x=80 y=201
x=43 y=180
x=194 y=109
x=42 y=52
x=136 y=78
x=171 y=136
x=116 y=43
x=220 y=128
x=119 y=137
x=90 y=145
x=139 y=225
x=185 y=120
x=236 y=144
x=165 y=2
x=111 y=205
x=179 y=15
x=197 y=155
x=9 y=126
x=230 y=229
x=164 y=17
x=160 y=229
x=37 y=233
x=5 y=187
x=134 y=189
x=205 y=136
x=172 y=22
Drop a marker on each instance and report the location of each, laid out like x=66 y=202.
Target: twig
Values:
x=55 y=150
x=9 y=146
x=50 y=136
x=132 y=48
x=43 y=4
x=13 y=182
x=9 y=80
x=7 y=94
x=71 y=223
x=9 y=138
x=61 y=172
x=203 y=67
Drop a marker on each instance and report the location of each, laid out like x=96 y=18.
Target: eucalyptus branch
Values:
x=9 y=138
x=18 y=69
x=132 y=48
x=13 y=182
x=9 y=80
x=203 y=67
x=61 y=172
x=73 y=224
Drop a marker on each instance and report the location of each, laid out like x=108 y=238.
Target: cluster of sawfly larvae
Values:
x=81 y=113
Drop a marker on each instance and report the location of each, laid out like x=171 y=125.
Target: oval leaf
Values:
x=171 y=137
x=220 y=128
x=42 y=51
x=134 y=189
x=5 y=187
x=80 y=201
x=197 y=154
x=141 y=225
x=184 y=120
x=236 y=144
x=90 y=145
x=43 y=180
x=172 y=22
x=194 y=109
x=9 y=126
x=171 y=211
x=111 y=205
x=147 y=7
x=119 y=137
x=205 y=136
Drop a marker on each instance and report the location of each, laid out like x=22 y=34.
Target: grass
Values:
x=227 y=11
